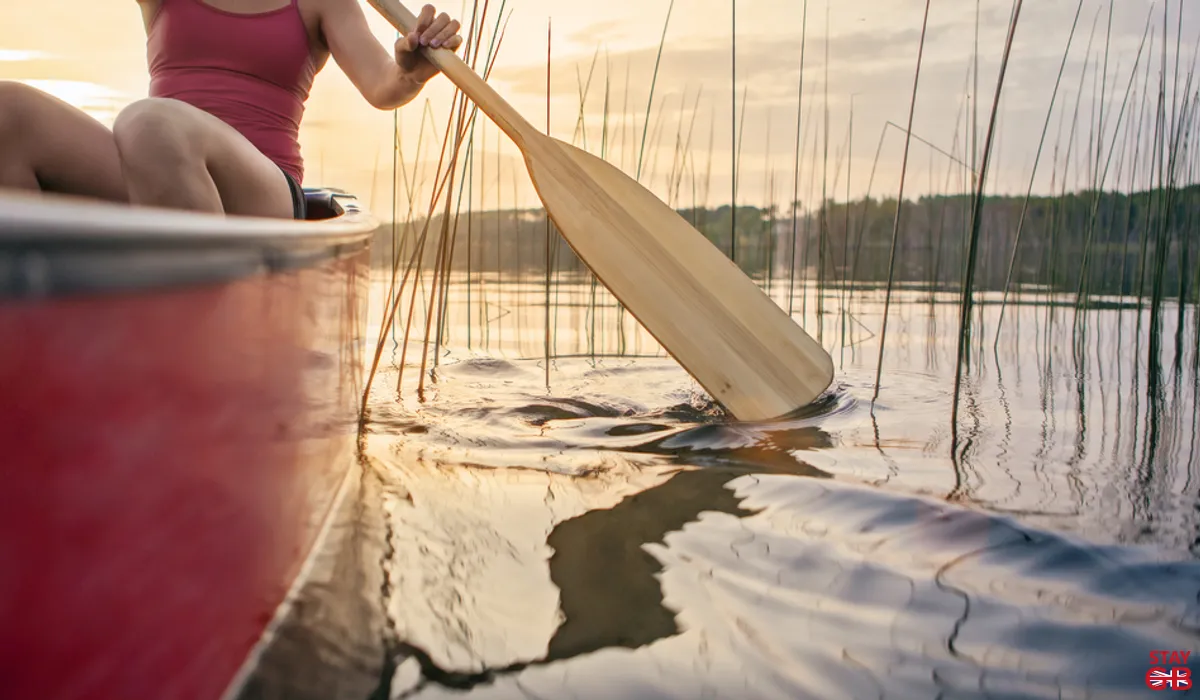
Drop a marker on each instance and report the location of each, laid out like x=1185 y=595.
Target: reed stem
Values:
x=912 y=108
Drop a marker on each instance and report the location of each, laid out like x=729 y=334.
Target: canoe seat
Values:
x=325 y=202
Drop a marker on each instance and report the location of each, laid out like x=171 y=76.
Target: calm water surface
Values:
x=612 y=534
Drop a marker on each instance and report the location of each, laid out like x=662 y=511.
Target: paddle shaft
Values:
x=482 y=94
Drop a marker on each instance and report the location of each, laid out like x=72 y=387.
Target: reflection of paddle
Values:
x=736 y=341
x=610 y=584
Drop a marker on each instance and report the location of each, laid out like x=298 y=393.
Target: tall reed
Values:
x=733 y=133
x=912 y=108
x=1033 y=174
x=977 y=217
x=796 y=169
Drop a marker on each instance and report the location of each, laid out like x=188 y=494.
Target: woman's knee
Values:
x=17 y=102
x=48 y=144
x=152 y=131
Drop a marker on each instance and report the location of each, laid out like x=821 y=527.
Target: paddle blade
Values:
x=745 y=350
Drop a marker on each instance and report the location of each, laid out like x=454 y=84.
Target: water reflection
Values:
x=613 y=535
x=610 y=595
x=802 y=587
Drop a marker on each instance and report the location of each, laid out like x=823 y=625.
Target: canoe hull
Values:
x=170 y=455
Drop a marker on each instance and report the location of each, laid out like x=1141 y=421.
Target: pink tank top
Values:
x=252 y=71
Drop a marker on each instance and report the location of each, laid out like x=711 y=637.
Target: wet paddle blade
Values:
x=726 y=332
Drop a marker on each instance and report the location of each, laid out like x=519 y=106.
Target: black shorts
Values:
x=299 y=209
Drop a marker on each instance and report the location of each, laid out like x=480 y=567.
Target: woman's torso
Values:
x=251 y=63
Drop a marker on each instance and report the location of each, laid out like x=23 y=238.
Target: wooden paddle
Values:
x=736 y=341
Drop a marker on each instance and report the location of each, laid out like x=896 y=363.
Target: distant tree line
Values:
x=1115 y=243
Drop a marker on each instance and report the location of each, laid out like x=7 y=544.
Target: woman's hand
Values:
x=433 y=30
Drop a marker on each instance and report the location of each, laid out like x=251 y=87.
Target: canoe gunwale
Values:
x=53 y=246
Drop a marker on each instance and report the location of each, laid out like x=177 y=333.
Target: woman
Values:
x=229 y=80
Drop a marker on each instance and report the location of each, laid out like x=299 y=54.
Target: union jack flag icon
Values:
x=1178 y=678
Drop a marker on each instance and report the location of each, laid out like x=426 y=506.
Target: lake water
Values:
x=603 y=531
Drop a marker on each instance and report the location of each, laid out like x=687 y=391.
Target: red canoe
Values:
x=179 y=401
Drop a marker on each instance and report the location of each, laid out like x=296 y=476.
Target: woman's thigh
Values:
x=174 y=140
x=47 y=144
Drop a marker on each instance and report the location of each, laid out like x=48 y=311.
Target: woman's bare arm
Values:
x=386 y=80
x=149 y=8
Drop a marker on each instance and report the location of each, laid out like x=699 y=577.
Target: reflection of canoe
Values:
x=178 y=418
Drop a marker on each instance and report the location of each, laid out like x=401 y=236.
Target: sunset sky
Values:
x=93 y=55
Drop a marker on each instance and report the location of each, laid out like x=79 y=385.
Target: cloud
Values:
x=697 y=61
x=599 y=33
x=17 y=56
x=871 y=68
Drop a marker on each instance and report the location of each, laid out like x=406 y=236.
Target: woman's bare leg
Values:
x=47 y=144
x=160 y=152
x=175 y=155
